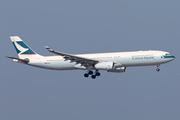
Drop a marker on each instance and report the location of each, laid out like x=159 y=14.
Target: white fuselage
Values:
x=125 y=59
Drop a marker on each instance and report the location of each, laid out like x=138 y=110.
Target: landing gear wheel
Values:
x=157 y=69
x=97 y=74
x=93 y=76
x=86 y=75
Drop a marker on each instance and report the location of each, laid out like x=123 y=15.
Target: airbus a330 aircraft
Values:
x=112 y=62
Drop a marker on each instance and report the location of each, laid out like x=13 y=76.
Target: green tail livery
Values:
x=21 y=47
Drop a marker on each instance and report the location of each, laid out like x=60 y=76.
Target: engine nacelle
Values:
x=104 y=66
x=118 y=70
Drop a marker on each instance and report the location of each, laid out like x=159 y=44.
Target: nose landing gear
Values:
x=93 y=76
x=157 y=69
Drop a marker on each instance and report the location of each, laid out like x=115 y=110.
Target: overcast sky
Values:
x=90 y=26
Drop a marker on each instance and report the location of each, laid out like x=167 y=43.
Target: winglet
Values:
x=48 y=48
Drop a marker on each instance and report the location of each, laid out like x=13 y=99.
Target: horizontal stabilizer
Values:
x=19 y=60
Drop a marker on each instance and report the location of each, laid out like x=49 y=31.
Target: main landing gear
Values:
x=93 y=76
x=157 y=69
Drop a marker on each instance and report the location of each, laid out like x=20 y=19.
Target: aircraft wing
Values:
x=73 y=58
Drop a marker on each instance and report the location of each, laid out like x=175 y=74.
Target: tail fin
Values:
x=23 y=50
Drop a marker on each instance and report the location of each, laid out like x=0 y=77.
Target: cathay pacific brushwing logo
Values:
x=20 y=48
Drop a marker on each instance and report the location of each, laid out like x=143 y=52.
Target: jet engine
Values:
x=104 y=65
x=110 y=67
x=117 y=70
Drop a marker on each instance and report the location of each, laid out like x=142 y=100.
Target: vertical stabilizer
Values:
x=22 y=49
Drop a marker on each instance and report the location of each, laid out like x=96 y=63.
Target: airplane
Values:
x=116 y=62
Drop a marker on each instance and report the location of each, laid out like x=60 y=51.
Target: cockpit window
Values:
x=167 y=54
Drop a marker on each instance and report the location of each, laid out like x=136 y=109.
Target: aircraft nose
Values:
x=170 y=57
x=173 y=57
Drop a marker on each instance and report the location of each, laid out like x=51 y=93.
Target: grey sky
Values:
x=94 y=26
